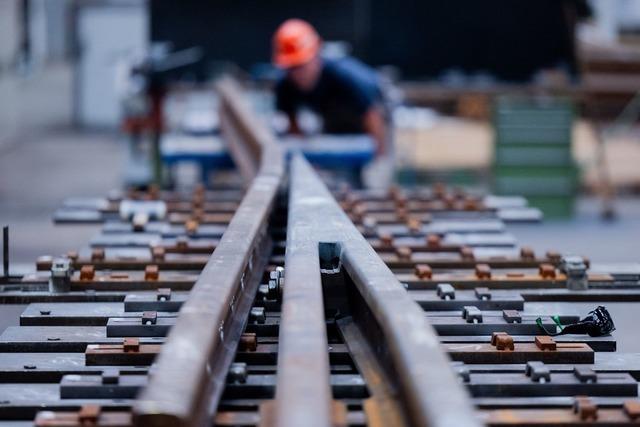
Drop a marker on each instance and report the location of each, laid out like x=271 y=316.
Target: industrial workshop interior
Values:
x=320 y=213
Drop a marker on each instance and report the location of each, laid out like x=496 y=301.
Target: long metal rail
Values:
x=193 y=363
x=408 y=345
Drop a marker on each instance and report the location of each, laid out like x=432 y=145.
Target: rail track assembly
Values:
x=290 y=301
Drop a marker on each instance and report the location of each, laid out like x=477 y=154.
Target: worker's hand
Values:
x=375 y=126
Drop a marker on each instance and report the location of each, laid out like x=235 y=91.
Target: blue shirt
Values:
x=345 y=90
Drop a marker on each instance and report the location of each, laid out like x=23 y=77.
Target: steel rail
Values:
x=191 y=370
x=245 y=136
x=303 y=391
x=430 y=391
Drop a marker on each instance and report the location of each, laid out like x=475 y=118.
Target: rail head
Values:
x=247 y=137
x=190 y=372
x=430 y=389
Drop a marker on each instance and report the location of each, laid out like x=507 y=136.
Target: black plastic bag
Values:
x=597 y=323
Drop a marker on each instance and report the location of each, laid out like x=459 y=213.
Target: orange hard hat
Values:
x=295 y=43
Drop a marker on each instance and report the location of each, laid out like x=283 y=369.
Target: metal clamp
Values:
x=575 y=269
x=446 y=291
x=512 y=316
x=61 y=272
x=110 y=376
x=483 y=294
x=149 y=317
x=471 y=314
x=258 y=315
x=238 y=373
x=585 y=374
x=538 y=372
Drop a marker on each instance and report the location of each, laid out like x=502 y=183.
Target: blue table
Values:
x=349 y=153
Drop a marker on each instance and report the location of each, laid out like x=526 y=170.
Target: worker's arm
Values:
x=375 y=125
x=294 y=127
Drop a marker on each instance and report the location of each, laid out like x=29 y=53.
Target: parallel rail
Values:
x=192 y=367
x=410 y=347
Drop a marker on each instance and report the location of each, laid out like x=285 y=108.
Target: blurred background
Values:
x=536 y=98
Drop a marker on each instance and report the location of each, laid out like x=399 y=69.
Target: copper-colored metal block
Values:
x=547 y=271
x=585 y=408
x=632 y=409
x=502 y=341
x=131 y=345
x=87 y=272
x=423 y=271
x=157 y=253
x=433 y=241
x=526 y=253
x=414 y=225
x=248 y=342
x=191 y=226
x=467 y=253
x=483 y=271
x=97 y=254
x=404 y=253
x=554 y=257
x=546 y=343
x=386 y=240
x=72 y=255
x=151 y=272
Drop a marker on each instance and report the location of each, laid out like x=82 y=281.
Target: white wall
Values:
x=8 y=31
x=106 y=33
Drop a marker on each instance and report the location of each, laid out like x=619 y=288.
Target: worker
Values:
x=344 y=92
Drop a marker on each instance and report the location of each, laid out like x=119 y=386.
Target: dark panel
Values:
x=510 y=39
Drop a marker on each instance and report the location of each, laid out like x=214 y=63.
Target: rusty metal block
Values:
x=248 y=342
x=502 y=341
x=151 y=272
x=632 y=409
x=467 y=253
x=402 y=214
x=72 y=255
x=157 y=253
x=191 y=227
x=97 y=254
x=182 y=243
x=404 y=253
x=554 y=257
x=546 y=343
x=433 y=241
x=483 y=271
x=586 y=408
x=131 y=345
x=89 y=414
x=547 y=271
x=526 y=253
x=470 y=204
x=414 y=225
x=87 y=272
x=125 y=354
x=386 y=240
x=423 y=271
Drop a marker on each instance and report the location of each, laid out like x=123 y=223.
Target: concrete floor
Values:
x=587 y=234
x=43 y=160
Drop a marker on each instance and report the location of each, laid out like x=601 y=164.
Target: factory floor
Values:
x=43 y=160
